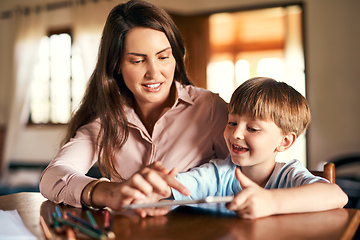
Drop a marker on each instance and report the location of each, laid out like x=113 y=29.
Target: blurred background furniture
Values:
x=348 y=177
x=328 y=173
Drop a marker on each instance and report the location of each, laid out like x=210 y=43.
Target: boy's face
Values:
x=252 y=142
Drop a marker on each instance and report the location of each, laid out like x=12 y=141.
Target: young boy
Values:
x=265 y=117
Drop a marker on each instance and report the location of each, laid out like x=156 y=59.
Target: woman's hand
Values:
x=152 y=211
x=150 y=183
x=253 y=201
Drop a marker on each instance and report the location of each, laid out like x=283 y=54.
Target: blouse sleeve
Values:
x=64 y=178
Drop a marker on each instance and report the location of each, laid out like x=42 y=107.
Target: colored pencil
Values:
x=83 y=222
x=45 y=228
x=58 y=211
x=111 y=235
x=106 y=219
x=70 y=234
x=82 y=229
x=91 y=219
x=57 y=225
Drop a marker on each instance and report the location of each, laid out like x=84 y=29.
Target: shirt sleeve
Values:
x=64 y=178
x=216 y=178
x=292 y=174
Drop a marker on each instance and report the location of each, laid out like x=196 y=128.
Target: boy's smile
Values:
x=239 y=149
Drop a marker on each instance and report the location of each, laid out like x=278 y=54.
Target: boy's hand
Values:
x=253 y=201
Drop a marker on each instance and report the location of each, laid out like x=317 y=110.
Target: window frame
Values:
x=50 y=32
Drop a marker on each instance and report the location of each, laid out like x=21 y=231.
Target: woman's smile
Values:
x=153 y=87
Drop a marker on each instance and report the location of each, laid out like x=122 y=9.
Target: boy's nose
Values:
x=238 y=133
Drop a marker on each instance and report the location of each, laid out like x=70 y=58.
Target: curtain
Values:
x=19 y=53
x=28 y=29
x=6 y=86
x=88 y=22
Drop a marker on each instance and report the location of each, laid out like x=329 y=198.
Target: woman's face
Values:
x=148 y=65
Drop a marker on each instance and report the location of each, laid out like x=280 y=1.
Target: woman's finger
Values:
x=140 y=182
x=158 y=182
x=161 y=182
x=159 y=166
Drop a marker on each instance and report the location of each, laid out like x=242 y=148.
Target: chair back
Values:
x=328 y=173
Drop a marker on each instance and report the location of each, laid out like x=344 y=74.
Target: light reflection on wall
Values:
x=239 y=52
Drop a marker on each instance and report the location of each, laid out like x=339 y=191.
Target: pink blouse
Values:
x=187 y=135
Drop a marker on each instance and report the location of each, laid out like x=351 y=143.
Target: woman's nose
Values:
x=152 y=70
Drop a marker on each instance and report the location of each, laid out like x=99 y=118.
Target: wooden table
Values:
x=187 y=223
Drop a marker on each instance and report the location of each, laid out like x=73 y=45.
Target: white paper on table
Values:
x=12 y=227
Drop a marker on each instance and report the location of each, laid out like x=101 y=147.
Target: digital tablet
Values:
x=165 y=203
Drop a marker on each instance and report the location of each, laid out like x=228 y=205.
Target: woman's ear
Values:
x=287 y=141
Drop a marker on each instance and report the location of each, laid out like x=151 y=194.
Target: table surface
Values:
x=194 y=223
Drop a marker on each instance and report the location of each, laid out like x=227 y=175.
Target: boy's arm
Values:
x=255 y=202
x=319 y=196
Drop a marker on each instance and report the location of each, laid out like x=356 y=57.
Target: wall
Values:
x=332 y=54
x=333 y=78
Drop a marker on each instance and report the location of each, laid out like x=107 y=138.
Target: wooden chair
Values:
x=328 y=173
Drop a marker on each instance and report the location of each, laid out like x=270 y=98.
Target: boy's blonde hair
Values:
x=266 y=99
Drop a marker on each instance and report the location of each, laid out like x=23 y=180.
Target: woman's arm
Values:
x=64 y=178
x=151 y=182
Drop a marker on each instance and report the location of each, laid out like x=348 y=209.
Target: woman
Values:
x=139 y=108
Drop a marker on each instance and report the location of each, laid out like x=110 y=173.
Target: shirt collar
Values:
x=182 y=96
x=183 y=93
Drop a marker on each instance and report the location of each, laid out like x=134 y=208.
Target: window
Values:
x=59 y=81
x=265 y=42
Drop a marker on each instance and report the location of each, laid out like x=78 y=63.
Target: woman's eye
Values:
x=137 y=61
x=163 y=58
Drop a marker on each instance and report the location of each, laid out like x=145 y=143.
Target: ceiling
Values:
x=185 y=7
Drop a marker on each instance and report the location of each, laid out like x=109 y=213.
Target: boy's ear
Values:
x=287 y=141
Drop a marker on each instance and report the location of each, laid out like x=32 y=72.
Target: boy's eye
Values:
x=232 y=124
x=250 y=129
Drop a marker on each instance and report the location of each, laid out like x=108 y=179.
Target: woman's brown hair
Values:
x=107 y=93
